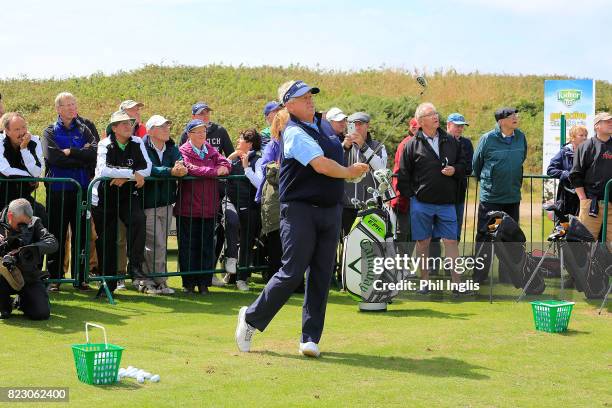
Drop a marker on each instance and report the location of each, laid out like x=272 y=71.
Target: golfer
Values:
x=311 y=187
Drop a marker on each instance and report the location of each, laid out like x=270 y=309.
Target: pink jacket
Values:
x=200 y=198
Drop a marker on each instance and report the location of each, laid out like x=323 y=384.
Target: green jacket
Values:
x=270 y=204
x=161 y=193
x=498 y=165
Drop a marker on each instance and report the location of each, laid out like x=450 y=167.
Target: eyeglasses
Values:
x=430 y=114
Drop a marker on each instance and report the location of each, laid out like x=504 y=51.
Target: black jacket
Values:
x=592 y=167
x=114 y=162
x=420 y=169
x=34 y=235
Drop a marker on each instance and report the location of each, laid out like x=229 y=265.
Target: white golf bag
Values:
x=372 y=236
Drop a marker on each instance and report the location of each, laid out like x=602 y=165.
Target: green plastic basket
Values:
x=551 y=316
x=97 y=363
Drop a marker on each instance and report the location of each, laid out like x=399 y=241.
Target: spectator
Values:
x=69 y=149
x=267 y=195
x=401 y=204
x=560 y=167
x=197 y=206
x=159 y=197
x=338 y=120
x=311 y=189
x=591 y=171
x=431 y=168
x=269 y=113
x=133 y=108
x=216 y=135
x=498 y=165
x=20 y=156
x=240 y=211
x=359 y=146
x=19 y=228
x=123 y=158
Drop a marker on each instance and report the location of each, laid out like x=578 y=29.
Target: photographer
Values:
x=23 y=242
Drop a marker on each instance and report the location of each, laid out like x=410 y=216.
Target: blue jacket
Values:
x=559 y=168
x=498 y=165
x=81 y=162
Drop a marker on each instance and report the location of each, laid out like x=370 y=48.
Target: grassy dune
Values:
x=237 y=95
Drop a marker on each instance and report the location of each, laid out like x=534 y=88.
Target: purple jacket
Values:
x=271 y=153
x=200 y=198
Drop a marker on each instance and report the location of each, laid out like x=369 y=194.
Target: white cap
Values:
x=156 y=120
x=130 y=104
x=335 y=114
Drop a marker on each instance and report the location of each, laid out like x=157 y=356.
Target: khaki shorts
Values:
x=593 y=224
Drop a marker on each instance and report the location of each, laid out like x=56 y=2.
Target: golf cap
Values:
x=503 y=113
x=457 y=119
x=157 y=120
x=130 y=104
x=601 y=116
x=119 y=116
x=294 y=89
x=270 y=107
x=359 y=117
x=199 y=107
x=194 y=123
x=335 y=115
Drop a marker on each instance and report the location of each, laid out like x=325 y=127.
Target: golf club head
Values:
x=423 y=82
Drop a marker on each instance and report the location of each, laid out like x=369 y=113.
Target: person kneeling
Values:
x=23 y=242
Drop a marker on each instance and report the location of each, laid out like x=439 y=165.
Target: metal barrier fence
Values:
x=604 y=227
x=140 y=250
x=65 y=200
x=62 y=198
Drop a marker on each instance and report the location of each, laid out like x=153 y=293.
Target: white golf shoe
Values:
x=244 y=331
x=309 y=349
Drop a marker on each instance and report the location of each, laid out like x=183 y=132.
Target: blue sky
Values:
x=61 y=38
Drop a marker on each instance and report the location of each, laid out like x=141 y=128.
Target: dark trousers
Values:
x=129 y=211
x=348 y=218
x=196 y=249
x=274 y=251
x=309 y=236
x=242 y=225
x=63 y=206
x=33 y=299
x=482 y=245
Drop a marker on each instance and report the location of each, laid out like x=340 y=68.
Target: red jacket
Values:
x=400 y=203
x=200 y=198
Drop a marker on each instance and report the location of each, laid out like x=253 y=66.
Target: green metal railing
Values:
x=158 y=274
x=604 y=230
x=24 y=191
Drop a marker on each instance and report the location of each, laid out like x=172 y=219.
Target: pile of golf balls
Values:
x=139 y=375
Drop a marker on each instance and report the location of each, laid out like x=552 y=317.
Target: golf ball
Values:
x=155 y=378
x=140 y=379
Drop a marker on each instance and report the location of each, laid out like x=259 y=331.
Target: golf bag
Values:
x=510 y=249
x=586 y=260
x=371 y=237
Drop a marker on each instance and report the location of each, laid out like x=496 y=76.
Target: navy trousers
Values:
x=309 y=236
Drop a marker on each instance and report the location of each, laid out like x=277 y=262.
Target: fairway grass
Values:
x=445 y=352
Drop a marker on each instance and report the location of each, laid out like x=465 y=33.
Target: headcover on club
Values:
x=14 y=277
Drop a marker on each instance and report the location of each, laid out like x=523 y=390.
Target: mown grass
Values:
x=237 y=95
x=423 y=352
